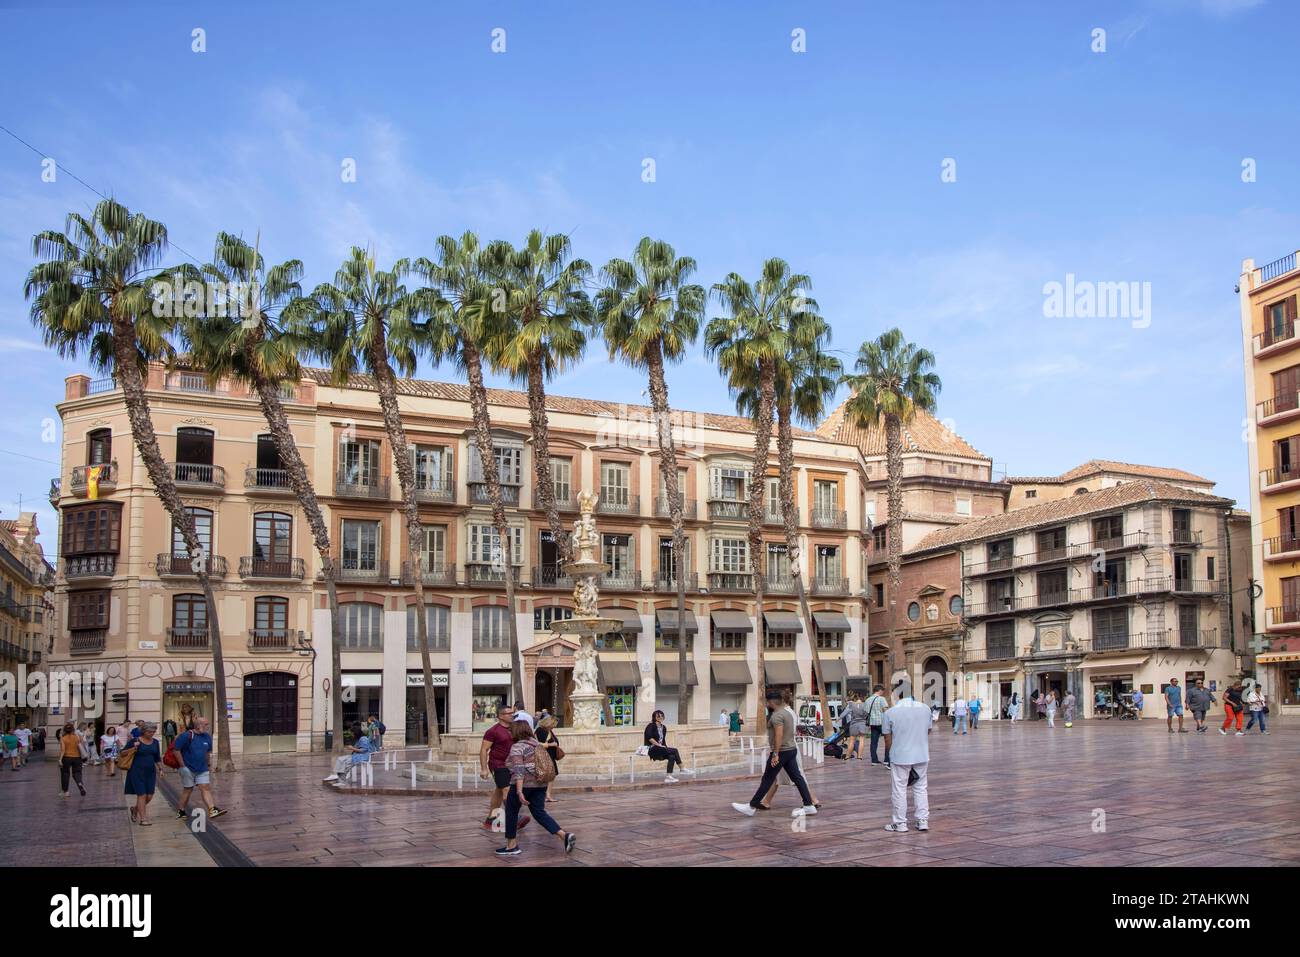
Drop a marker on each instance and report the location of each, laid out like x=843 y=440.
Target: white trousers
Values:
x=920 y=791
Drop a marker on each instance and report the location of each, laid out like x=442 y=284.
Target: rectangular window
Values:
x=879 y=588
x=729 y=555
x=547 y=615
x=1109 y=628
x=91 y=529
x=826 y=496
x=359 y=462
x=828 y=563
x=616 y=552
x=1052 y=587
x=615 y=483
x=202 y=528
x=99 y=447
x=1107 y=529
x=667 y=564
x=778 y=562
x=562 y=478
x=491 y=628
x=88 y=609
x=962 y=506
x=774 y=497
x=436 y=622
x=362 y=625
x=485 y=546
x=1000 y=593
x=1051 y=543
x=433 y=551
x=1000 y=552
x=360 y=547
x=271 y=612
x=730 y=640
x=1209 y=568
x=433 y=470
x=1000 y=639
x=510 y=464
x=728 y=484
x=829 y=640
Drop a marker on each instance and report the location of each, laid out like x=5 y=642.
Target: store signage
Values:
x=416 y=680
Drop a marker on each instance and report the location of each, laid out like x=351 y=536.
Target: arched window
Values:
x=437 y=621
x=362 y=625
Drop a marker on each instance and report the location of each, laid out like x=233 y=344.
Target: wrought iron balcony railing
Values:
x=291 y=569
x=267 y=480
x=432 y=572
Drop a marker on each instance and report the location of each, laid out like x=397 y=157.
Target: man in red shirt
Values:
x=492 y=763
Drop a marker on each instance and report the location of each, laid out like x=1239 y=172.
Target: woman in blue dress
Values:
x=142 y=777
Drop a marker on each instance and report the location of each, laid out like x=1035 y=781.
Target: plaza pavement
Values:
x=1000 y=796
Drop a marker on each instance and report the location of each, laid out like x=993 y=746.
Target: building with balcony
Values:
x=136 y=620
x=1098 y=593
x=1271 y=348
x=26 y=614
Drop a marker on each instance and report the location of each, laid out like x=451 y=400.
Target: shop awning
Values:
x=667 y=618
x=783 y=622
x=830 y=621
x=731 y=620
x=1275 y=657
x=631 y=617
x=1130 y=661
x=666 y=672
x=781 y=672
x=731 y=672
x=619 y=674
x=834 y=669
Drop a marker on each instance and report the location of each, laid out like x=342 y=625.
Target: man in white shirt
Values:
x=907 y=736
x=724 y=719
x=24 y=736
x=960 y=710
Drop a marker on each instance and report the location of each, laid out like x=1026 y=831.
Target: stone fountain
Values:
x=588 y=696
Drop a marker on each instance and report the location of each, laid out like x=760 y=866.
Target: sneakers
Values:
x=217 y=811
x=896 y=828
x=181 y=814
x=923 y=825
x=685 y=770
x=669 y=779
x=1222 y=732
x=570 y=842
x=508 y=851
x=806 y=811
x=331 y=778
x=744 y=809
x=1240 y=734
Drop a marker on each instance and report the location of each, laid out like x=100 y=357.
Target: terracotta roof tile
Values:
x=1097 y=466
x=1074 y=506
x=924 y=433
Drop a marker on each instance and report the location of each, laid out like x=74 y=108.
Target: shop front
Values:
x=1108 y=692
x=667 y=679
x=1280 y=672
x=730 y=681
x=621 y=680
x=417 y=723
x=363 y=693
x=183 y=701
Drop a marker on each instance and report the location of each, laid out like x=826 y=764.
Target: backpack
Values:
x=544 y=769
x=383 y=729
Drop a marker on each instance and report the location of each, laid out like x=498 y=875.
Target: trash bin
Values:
x=329 y=740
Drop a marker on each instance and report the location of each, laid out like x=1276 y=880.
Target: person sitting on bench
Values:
x=656 y=738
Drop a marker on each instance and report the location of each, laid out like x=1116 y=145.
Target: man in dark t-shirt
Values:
x=492 y=764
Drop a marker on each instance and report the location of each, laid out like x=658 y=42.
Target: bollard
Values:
x=431 y=755
x=631 y=769
x=460 y=776
x=412 y=774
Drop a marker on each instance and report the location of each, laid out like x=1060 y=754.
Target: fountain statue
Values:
x=585 y=569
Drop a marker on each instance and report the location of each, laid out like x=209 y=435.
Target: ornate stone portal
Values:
x=588 y=696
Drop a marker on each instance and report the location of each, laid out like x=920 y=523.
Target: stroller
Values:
x=1127 y=710
x=834 y=745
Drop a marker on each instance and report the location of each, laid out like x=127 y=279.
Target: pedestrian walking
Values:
x=787 y=702
x=169 y=731
x=1174 y=705
x=1067 y=707
x=1040 y=703
x=1199 y=700
x=737 y=722
x=492 y=754
x=1013 y=709
x=528 y=783
x=784 y=757
x=1233 y=706
x=907 y=736
x=70 y=759
x=960 y=712
x=973 y=708
x=195 y=747
x=1257 y=704
x=724 y=719
x=24 y=736
x=876 y=706
x=1048 y=704
x=858 y=723
x=9 y=748
x=142 y=776
x=656 y=747
x=109 y=747
x=546 y=735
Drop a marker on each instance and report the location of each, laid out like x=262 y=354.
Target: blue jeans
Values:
x=1257 y=715
x=959 y=723
x=536 y=798
x=876 y=731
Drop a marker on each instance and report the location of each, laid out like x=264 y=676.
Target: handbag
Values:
x=643 y=751
x=172 y=758
x=126 y=759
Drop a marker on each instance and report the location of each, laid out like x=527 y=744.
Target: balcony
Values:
x=690 y=508
x=773 y=516
x=1277 y=268
x=209 y=478
x=728 y=509
x=188 y=639
x=478 y=493
x=1185 y=536
x=14 y=609
x=1281 y=548
x=778 y=584
x=435 y=491
x=274 y=639
x=172 y=565
x=1282 y=618
x=279 y=569
x=1279 y=479
x=1049 y=599
x=830 y=585
x=1203 y=638
x=563 y=502
x=1110 y=590
x=991 y=566
x=358 y=484
x=355 y=570
x=433 y=571
x=1279 y=408
x=267 y=482
x=1115 y=543
x=87 y=642
x=1136 y=641
x=87 y=567
x=80 y=484
x=193 y=382
x=551 y=576
x=101 y=386
x=56 y=492
x=997 y=649
x=619 y=504
x=624 y=580
x=733 y=582
x=1005 y=605
x=1046 y=556
x=1275 y=338
x=489 y=574
x=666 y=582
x=1196 y=586
x=829 y=518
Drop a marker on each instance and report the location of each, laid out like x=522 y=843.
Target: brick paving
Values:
x=1002 y=796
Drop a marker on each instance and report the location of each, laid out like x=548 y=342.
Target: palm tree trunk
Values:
x=127 y=369
x=673 y=493
x=785 y=458
x=268 y=396
x=543 y=487
x=757 y=492
x=386 y=383
x=894 y=469
x=487 y=460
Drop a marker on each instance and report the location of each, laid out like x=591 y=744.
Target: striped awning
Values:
x=781 y=672
x=830 y=621
x=631 y=617
x=666 y=672
x=729 y=619
x=619 y=674
x=731 y=672
x=783 y=622
x=834 y=669
x=667 y=618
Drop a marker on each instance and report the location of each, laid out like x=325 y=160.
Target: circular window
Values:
x=914 y=612
x=954 y=604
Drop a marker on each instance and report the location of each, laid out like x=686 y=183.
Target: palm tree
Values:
x=366 y=320
x=250 y=344
x=649 y=315
x=892 y=381
x=92 y=293
x=460 y=330
x=749 y=342
x=546 y=317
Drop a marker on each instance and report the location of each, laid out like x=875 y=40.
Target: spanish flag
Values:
x=92 y=481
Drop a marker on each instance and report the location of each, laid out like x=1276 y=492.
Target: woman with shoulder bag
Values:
x=142 y=776
x=1258 y=706
x=70 y=759
x=546 y=735
x=528 y=778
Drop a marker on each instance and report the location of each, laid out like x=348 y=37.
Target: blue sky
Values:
x=1122 y=166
